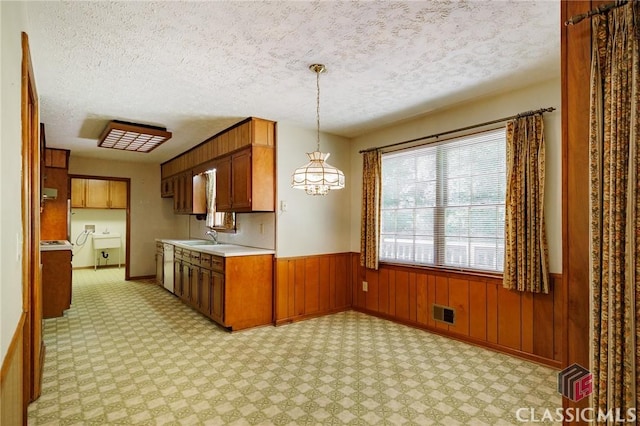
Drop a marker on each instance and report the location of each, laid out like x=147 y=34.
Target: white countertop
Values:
x=223 y=250
x=54 y=245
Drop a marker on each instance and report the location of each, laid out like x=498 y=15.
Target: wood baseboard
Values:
x=466 y=339
x=143 y=277
x=122 y=265
x=291 y=320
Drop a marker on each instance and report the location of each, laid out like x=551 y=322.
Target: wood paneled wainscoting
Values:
x=13 y=406
x=522 y=324
x=311 y=286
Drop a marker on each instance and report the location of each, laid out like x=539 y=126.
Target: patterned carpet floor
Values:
x=132 y=353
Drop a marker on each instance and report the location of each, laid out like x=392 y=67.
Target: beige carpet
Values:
x=132 y=353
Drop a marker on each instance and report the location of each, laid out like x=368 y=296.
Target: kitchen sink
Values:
x=199 y=243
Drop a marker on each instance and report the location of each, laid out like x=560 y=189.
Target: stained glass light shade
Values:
x=317 y=177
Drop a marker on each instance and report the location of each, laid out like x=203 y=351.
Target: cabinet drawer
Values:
x=205 y=260
x=217 y=263
x=178 y=253
x=194 y=257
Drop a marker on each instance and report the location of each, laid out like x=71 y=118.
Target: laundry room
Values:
x=98 y=237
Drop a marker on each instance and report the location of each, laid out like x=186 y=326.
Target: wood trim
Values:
x=127 y=237
x=13 y=407
x=314 y=256
x=31 y=203
x=575 y=74
x=140 y=277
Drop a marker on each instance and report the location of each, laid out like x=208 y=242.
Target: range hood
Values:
x=49 y=193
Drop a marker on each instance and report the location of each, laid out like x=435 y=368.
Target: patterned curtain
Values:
x=614 y=204
x=526 y=265
x=370 y=222
x=211 y=199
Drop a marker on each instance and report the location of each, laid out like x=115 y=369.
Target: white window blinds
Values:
x=443 y=204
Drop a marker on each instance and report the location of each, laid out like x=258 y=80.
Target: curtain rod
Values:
x=597 y=11
x=437 y=135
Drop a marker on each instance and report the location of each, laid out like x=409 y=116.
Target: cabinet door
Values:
x=194 y=284
x=186 y=281
x=188 y=193
x=198 y=203
x=217 y=297
x=223 y=184
x=177 y=193
x=183 y=193
x=205 y=292
x=159 y=264
x=117 y=194
x=241 y=180
x=177 y=278
x=55 y=158
x=166 y=189
x=97 y=193
x=78 y=187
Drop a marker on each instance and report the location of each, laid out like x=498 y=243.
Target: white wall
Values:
x=541 y=95
x=311 y=224
x=13 y=20
x=114 y=221
x=151 y=216
x=252 y=229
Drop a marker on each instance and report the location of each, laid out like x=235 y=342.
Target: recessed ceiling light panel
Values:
x=127 y=136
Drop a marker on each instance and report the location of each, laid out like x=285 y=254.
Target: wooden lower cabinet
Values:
x=217 y=297
x=56 y=282
x=159 y=264
x=204 y=291
x=236 y=292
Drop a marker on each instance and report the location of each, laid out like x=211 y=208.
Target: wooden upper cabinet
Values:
x=251 y=131
x=57 y=158
x=241 y=180
x=249 y=176
x=223 y=184
x=189 y=193
x=78 y=193
x=244 y=158
x=166 y=188
x=98 y=193
x=117 y=194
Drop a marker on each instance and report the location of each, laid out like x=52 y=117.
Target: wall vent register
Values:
x=444 y=314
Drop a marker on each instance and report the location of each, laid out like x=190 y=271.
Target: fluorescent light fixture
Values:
x=127 y=136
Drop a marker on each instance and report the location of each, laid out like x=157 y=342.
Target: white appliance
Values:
x=167 y=255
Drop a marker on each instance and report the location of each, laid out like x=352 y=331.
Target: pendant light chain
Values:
x=317 y=177
x=318 y=110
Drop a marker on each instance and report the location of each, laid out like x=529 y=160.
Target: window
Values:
x=443 y=204
x=215 y=219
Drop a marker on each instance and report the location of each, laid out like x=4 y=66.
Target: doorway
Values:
x=100 y=221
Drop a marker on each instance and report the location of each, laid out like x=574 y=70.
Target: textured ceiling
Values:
x=198 y=67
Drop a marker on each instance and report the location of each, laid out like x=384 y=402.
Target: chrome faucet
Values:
x=213 y=234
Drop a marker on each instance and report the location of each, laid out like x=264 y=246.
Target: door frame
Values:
x=31 y=267
x=127 y=237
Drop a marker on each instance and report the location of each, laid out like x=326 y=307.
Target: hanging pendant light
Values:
x=317 y=177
